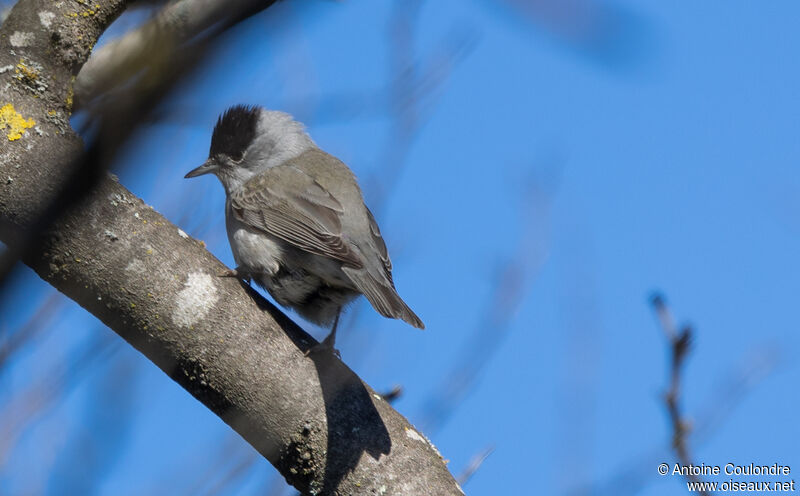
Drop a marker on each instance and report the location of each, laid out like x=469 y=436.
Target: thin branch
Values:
x=474 y=464
x=739 y=380
x=393 y=394
x=680 y=344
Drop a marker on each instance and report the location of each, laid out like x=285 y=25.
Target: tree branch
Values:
x=324 y=429
x=680 y=343
x=178 y=22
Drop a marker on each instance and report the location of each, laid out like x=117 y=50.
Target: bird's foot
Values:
x=326 y=346
x=237 y=273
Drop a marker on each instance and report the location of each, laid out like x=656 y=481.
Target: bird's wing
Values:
x=380 y=245
x=289 y=204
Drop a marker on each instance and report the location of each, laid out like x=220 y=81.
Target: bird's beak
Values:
x=208 y=166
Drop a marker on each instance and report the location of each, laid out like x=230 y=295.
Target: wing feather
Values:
x=289 y=204
x=380 y=245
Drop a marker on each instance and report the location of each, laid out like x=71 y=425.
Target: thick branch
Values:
x=315 y=420
x=43 y=44
x=326 y=431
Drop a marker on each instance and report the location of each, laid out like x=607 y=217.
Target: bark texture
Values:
x=324 y=429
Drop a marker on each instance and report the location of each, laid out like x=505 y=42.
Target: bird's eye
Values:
x=237 y=157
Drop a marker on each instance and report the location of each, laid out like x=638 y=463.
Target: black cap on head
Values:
x=235 y=130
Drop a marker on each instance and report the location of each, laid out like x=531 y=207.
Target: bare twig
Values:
x=474 y=464
x=393 y=394
x=680 y=343
x=738 y=381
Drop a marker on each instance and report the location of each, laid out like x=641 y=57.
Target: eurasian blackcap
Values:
x=296 y=220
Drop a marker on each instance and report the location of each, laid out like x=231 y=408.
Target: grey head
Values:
x=249 y=139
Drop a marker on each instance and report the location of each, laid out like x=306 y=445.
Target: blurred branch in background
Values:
x=579 y=371
x=409 y=100
x=679 y=345
x=93 y=446
x=217 y=472
x=138 y=56
x=409 y=97
x=49 y=308
x=413 y=95
x=474 y=464
x=393 y=394
x=743 y=377
x=611 y=34
x=27 y=407
x=234 y=461
x=512 y=280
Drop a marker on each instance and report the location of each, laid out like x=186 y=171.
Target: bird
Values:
x=297 y=222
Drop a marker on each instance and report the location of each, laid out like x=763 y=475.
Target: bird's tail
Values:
x=383 y=297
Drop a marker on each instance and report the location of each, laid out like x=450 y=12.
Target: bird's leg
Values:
x=327 y=344
x=330 y=340
x=238 y=273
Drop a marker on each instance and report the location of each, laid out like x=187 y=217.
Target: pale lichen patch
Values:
x=117 y=199
x=416 y=436
x=21 y=39
x=136 y=266
x=195 y=300
x=46 y=18
x=182 y=234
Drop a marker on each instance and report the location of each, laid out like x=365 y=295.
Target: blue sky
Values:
x=606 y=151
